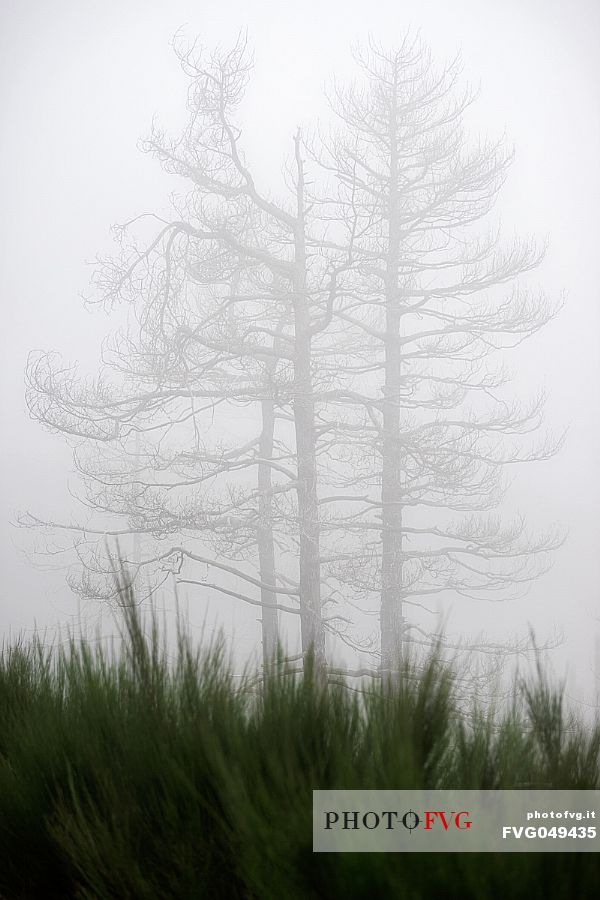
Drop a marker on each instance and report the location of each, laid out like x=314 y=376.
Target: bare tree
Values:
x=223 y=227
x=430 y=300
x=356 y=320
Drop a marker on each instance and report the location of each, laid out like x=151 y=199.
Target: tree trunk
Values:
x=391 y=621
x=313 y=636
x=266 y=550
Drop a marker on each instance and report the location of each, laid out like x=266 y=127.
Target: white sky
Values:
x=80 y=82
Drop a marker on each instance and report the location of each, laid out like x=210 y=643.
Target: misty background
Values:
x=81 y=83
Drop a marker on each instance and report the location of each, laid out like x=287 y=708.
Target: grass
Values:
x=138 y=772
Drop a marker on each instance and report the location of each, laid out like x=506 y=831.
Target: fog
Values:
x=81 y=85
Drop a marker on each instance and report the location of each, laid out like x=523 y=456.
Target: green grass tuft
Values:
x=143 y=773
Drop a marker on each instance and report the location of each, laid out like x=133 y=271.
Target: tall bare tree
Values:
x=357 y=320
x=432 y=297
x=224 y=225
